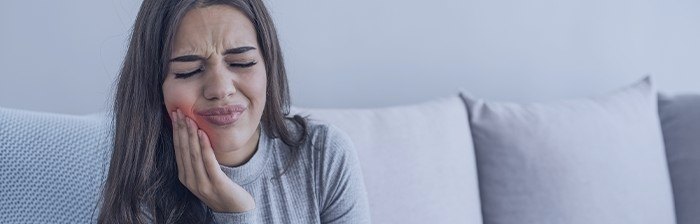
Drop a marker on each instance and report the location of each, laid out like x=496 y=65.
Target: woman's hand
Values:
x=199 y=171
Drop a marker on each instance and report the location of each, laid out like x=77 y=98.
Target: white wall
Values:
x=63 y=56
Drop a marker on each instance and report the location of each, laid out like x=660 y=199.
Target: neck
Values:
x=240 y=156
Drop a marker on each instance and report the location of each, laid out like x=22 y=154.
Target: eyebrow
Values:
x=189 y=58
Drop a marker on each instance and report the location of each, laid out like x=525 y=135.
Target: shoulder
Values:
x=338 y=177
x=326 y=144
x=320 y=135
x=328 y=139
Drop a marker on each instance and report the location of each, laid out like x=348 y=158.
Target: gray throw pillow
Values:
x=592 y=160
x=680 y=121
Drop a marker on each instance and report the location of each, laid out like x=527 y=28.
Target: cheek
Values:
x=253 y=86
x=178 y=97
x=258 y=88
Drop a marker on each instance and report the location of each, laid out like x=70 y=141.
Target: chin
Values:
x=230 y=140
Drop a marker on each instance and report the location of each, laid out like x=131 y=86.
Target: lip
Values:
x=222 y=110
x=224 y=115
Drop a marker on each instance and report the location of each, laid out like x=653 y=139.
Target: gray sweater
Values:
x=323 y=185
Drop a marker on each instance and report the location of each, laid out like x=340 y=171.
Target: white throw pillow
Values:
x=417 y=160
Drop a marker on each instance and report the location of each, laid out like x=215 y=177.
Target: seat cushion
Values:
x=592 y=160
x=51 y=166
x=417 y=160
x=680 y=121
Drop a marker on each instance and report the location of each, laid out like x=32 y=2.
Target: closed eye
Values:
x=186 y=75
x=245 y=65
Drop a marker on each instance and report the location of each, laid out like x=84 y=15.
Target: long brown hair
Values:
x=143 y=170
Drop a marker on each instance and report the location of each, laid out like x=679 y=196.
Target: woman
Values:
x=202 y=132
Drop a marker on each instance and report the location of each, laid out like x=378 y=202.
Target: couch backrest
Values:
x=680 y=122
x=52 y=165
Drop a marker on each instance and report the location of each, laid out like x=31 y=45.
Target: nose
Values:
x=219 y=84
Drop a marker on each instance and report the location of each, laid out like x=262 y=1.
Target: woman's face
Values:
x=216 y=62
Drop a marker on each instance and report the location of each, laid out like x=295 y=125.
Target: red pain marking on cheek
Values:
x=210 y=137
x=212 y=143
x=213 y=147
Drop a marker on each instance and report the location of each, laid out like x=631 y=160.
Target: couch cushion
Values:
x=51 y=166
x=680 y=121
x=594 y=160
x=417 y=161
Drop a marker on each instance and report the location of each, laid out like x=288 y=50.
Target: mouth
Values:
x=223 y=119
x=223 y=116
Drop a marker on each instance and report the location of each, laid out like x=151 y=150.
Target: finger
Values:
x=210 y=163
x=196 y=153
x=185 y=149
x=176 y=146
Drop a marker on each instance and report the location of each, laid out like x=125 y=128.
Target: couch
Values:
x=627 y=156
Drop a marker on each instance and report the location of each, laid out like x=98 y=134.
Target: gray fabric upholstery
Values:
x=51 y=166
x=680 y=120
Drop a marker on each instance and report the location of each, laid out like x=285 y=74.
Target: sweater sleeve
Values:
x=233 y=217
x=343 y=198
x=219 y=217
